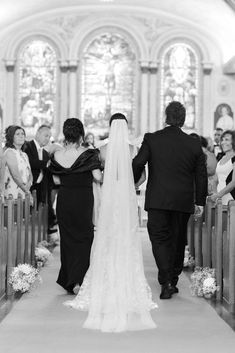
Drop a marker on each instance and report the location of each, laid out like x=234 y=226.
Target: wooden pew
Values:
x=229 y=259
x=22 y=226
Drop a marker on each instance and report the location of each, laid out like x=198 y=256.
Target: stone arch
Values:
x=23 y=37
x=197 y=42
x=94 y=27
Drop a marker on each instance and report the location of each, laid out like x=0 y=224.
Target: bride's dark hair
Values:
x=117 y=116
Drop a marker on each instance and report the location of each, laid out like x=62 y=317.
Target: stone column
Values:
x=11 y=112
x=63 y=97
x=206 y=122
x=153 y=97
x=144 y=95
x=73 y=94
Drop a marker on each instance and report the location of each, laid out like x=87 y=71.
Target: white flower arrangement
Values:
x=188 y=259
x=54 y=239
x=203 y=282
x=42 y=254
x=23 y=277
x=43 y=244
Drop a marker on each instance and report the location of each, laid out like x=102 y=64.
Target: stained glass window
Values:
x=179 y=80
x=108 y=82
x=37 y=85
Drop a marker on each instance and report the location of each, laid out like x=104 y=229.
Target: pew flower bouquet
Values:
x=42 y=254
x=43 y=244
x=23 y=277
x=188 y=259
x=203 y=282
x=54 y=239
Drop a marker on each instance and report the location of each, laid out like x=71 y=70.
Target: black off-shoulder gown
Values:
x=74 y=213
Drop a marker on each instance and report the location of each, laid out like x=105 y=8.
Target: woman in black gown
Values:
x=76 y=168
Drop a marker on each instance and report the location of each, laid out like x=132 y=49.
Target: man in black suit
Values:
x=38 y=159
x=176 y=187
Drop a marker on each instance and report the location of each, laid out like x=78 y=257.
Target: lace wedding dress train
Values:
x=115 y=291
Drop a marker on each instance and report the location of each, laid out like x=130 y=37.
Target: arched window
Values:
x=37 y=72
x=180 y=80
x=108 y=82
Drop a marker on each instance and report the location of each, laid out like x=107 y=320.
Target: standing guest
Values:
x=211 y=163
x=89 y=140
x=42 y=179
x=76 y=167
x=2 y=167
x=217 y=147
x=210 y=144
x=225 y=169
x=17 y=176
x=176 y=187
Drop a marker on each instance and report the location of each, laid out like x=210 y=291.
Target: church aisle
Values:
x=40 y=323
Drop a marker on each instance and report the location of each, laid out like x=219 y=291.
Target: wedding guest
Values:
x=89 y=140
x=225 y=169
x=217 y=147
x=211 y=164
x=18 y=176
x=42 y=179
x=76 y=167
x=2 y=167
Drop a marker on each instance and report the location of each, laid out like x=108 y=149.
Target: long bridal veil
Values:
x=115 y=291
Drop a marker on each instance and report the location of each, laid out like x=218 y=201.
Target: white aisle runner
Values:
x=40 y=323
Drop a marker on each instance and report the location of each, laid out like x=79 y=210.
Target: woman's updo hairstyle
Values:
x=117 y=116
x=73 y=130
x=10 y=133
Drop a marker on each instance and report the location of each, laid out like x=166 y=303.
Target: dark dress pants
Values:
x=168 y=234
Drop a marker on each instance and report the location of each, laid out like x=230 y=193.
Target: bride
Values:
x=115 y=291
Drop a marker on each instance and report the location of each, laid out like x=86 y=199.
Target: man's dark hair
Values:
x=175 y=114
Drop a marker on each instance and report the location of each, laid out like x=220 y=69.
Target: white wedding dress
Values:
x=115 y=291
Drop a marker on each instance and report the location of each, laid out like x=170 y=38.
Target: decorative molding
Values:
x=154 y=27
x=153 y=67
x=10 y=65
x=144 y=67
x=229 y=67
x=64 y=65
x=66 y=25
x=73 y=65
x=207 y=67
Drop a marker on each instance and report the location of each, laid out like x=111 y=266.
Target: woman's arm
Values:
x=97 y=175
x=11 y=162
x=226 y=189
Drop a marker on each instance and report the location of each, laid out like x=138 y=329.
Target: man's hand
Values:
x=198 y=211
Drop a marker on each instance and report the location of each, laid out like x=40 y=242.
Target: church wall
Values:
x=148 y=33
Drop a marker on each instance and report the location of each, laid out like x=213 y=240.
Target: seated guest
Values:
x=38 y=159
x=18 y=176
x=225 y=169
x=211 y=164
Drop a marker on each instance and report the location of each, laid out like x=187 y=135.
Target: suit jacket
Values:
x=177 y=177
x=36 y=164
